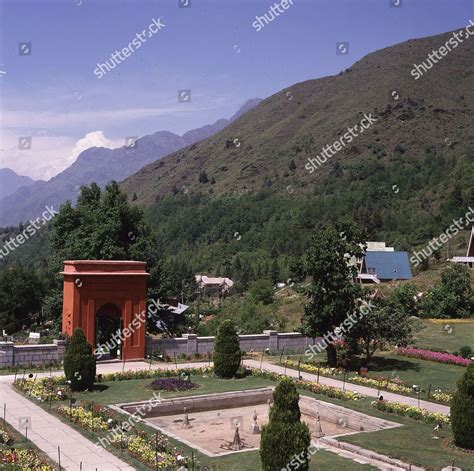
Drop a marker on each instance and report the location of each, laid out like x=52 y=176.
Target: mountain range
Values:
x=270 y=145
x=100 y=165
x=10 y=182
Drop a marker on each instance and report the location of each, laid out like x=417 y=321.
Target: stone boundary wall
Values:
x=25 y=355
x=191 y=343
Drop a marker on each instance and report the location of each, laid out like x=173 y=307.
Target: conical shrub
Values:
x=462 y=410
x=79 y=362
x=227 y=354
x=285 y=439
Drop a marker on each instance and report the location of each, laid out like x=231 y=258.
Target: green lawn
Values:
x=133 y=390
x=448 y=336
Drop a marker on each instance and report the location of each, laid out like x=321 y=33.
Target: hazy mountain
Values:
x=101 y=165
x=11 y=181
x=270 y=145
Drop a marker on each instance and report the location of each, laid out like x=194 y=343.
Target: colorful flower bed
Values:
x=422 y=354
x=144 y=374
x=43 y=389
x=23 y=459
x=152 y=450
x=397 y=386
x=309 y=368
x=417 y=413
x=172 y=384
x=89 y=415
x=312 y=386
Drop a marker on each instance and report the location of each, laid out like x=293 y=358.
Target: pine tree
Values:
x=285 y=437
x=227 y=354
x=462 y=410
x=79 y=362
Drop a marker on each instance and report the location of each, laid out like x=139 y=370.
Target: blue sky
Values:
x=211 y=48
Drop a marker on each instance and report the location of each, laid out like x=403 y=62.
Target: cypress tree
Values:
x=227 y=354
x=79 y=362
x=285 y=439
x=462 y=410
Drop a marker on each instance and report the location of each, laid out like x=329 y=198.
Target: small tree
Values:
x=227 y=354
x=462 y=410
x=79 y=362
x=285 y=437
x=384 y=323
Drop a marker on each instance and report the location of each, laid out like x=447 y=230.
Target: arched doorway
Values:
x=109 y=332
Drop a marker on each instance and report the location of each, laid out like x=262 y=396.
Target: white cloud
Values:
x=49 y=155
x=92 y=139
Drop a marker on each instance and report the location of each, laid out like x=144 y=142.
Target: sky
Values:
x=49 y=50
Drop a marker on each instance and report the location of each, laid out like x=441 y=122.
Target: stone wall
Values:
x=24 y=355
x=191 y=343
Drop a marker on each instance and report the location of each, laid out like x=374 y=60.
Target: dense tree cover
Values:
x=332 y=293
x=452 y=296
x=21 y=292
x=79 y=362
x=227 y=354
x=285 y=439
x=462 y=410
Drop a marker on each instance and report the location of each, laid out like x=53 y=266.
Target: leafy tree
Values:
x=285 y=436
x=20 y=298
x=102 y=226
x=332 y=293
x=452 y=296
x=79 y=362
x=462 y=410
x=203 y=178
x=382 y=323
x=227 y=354
x=261 y=291
x=404 y=296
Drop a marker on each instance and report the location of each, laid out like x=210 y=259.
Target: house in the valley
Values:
x=213 y=286
x=469 y=258
x=381 y=264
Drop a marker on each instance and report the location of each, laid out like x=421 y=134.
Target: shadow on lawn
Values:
x=384 y=364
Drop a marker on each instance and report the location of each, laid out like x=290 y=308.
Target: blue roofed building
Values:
x=377 y=266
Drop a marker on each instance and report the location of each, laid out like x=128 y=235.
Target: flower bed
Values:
x=152 y=450
x=21 y=459
x=430 y=355
x=87 y=417
x=309 y=368
x=43 y=389
x=382 y=383
x=312 y=386
x=172 y=384
x=144 y=374
x=417 y=413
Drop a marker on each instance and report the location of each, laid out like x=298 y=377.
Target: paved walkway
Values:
x=364 y=390
x=47 y=432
